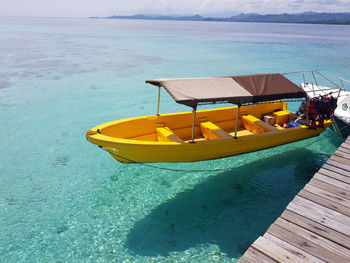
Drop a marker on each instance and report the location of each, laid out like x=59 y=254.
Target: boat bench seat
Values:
x=211 y=131
x=256 y=125
x=164 y=134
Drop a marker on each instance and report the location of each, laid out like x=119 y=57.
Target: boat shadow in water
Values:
x=228 y=210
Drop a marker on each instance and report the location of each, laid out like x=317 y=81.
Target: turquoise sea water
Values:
x=64 y=200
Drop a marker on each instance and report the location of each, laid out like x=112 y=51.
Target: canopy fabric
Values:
x=232 y=89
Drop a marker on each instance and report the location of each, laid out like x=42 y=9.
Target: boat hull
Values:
x=146 y=149
x=214 y=149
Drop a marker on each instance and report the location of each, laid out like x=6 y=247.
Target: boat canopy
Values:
x=231 y=89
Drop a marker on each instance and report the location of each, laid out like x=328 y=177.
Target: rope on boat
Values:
x=210 y=170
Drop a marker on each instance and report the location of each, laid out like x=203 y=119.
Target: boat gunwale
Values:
x=104 y=140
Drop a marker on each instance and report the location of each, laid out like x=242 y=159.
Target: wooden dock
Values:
x=315 y=227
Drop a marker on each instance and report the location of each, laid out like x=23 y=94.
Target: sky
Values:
x=85 y=8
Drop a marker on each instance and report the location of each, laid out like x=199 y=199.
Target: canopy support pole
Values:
x=342 y=87
x=307 y=110
x=313 y=75
x=158 y=105
x=194 y=111
x=237 y=117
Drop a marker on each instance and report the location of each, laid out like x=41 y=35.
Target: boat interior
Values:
x=214 y=124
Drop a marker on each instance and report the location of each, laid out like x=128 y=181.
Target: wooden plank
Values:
x=342 y=146
x=294 y=250
x=305 y=244
x=326 y=212
x=346 y=141
x=345 y=145
x=338 y=164
x=342 y=154
x=325 y=243
x=320 y=214
x=317 y=228
x=340 y=160
x=244 y=260
x=325 y=202
x=332 y=181
x=343 y=149
x=254 y=255
x=330 y=188
x=326 y=194
x=336 y=169
x=340 y=177
x=279 y=254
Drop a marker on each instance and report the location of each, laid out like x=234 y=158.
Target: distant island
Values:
x=305 y=18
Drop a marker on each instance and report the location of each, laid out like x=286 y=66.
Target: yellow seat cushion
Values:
x=211 y=131
x=164 y=134
x=256 y=125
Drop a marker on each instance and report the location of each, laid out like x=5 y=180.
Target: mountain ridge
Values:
x=304 y=18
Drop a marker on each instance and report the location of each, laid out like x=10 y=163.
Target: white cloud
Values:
x=110 y=7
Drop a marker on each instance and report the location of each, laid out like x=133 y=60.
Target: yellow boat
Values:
x=207 y=134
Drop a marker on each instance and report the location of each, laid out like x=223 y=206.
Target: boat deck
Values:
x=315 y=227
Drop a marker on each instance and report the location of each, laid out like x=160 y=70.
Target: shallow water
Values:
x=64 y=200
